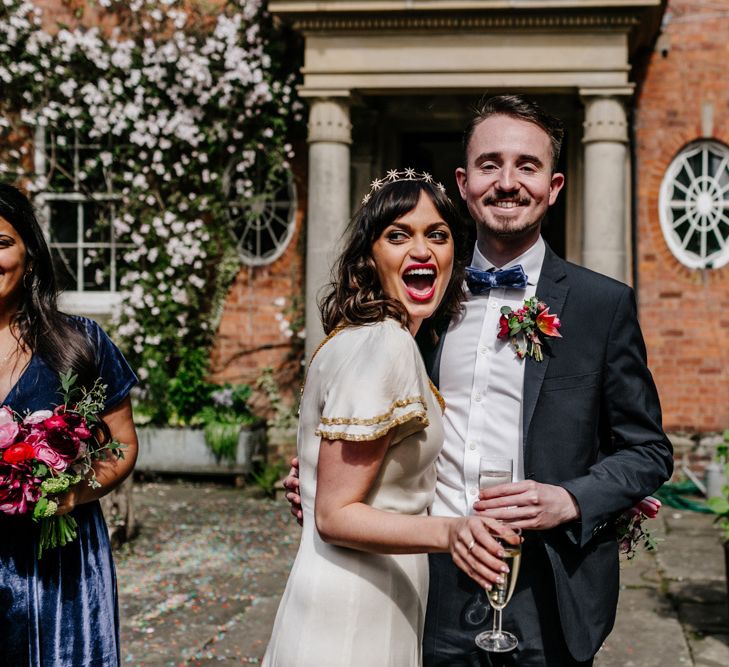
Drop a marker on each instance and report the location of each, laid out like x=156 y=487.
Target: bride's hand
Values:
x=475 y=551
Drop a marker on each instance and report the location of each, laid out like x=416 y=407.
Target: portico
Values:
x=391 y=81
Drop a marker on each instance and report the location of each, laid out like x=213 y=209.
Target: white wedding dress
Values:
x=342 y=607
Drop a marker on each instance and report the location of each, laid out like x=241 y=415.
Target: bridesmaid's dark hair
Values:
x=355 y=295
x=50 y=334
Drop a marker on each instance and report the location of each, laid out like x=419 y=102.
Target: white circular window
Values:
x=694 y=205
x=263 y=223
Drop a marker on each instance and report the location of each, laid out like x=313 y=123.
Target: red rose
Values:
x=18 y=453
x=66 y=444
x=503 y=327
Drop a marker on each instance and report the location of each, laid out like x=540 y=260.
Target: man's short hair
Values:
x=517 y=107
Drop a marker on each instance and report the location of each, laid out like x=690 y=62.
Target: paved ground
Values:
x=200 y=584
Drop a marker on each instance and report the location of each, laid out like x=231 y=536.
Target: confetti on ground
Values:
x=200 y=583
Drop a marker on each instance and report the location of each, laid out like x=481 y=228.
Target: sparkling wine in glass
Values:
x=493 y=471
x=497 y=640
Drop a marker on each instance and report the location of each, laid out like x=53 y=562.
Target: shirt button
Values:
x=473 y=491
x=472 y=446
x=483 y=349
x=493 y=305
x=477 y=398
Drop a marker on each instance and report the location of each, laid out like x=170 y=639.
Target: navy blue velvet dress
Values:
x=61 y=611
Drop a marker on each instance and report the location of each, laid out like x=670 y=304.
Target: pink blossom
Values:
x=46 y=454
x=649 y=506
x=8 y=428
x=6 y=415
x=37 y=417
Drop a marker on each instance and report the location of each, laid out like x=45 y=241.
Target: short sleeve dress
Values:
x=348 y=607
x=61 y=611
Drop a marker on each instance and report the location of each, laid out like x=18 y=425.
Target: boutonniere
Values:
x=525 y=326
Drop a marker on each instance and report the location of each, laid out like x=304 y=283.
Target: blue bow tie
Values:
x=479 y=281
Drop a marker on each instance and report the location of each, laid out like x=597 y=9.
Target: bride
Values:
x=370 y=430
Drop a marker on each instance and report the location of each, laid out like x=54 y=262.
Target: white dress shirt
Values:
x=482 y=382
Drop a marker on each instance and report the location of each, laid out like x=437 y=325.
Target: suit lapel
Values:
x=553 y=291
x=431 y=356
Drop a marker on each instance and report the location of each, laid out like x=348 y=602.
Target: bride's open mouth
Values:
x=419 y=281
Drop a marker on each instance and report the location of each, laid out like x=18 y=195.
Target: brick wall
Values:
x=684 y=313
x=250 y=336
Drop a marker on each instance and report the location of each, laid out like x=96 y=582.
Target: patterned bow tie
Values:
x=479 y=281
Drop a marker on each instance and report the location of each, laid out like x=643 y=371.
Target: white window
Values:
x=694 y=205
x=78 y=207
x=263 y=222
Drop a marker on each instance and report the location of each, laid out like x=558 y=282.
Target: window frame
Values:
x=79 y=301
x=705 y=204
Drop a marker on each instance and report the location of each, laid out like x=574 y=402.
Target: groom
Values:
x=583 y=425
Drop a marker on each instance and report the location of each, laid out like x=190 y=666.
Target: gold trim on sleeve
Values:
x=363 y=437
x=356 y=421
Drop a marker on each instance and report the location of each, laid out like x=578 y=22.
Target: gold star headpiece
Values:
x=405 y=175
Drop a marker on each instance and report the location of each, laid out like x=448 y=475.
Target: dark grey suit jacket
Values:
x=591 y=424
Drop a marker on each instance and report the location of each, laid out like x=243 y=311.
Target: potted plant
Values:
x=225 y=417
x=203 y=427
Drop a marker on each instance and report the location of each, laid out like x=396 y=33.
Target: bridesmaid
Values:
x=61 y=610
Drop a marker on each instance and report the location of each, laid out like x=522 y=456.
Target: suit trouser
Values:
x=458 y=610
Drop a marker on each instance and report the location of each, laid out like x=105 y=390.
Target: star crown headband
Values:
x=405 y=175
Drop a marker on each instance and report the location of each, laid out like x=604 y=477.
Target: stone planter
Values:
x=183 y=451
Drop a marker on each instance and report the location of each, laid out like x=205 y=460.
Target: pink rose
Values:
x=8 y=428
x=6 y=415
x=37 y=417
x=46 y=454
x=649 y=506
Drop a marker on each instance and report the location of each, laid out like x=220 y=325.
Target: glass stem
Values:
x=497 y=622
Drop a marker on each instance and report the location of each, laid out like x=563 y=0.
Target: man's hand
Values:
x=291 y=484
x=528 y=505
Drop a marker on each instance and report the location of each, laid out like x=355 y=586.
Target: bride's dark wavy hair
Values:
x=38 y=323
x=355 y=295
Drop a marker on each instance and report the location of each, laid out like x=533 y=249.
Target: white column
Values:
x=330 y=135
x=606 y=199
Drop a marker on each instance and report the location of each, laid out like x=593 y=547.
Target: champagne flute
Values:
x=492 y=471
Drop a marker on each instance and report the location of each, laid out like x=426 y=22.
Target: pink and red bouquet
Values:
x=631 y=532
x=44 y=453
x=525 y=327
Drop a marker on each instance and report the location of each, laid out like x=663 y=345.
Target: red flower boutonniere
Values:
x=524 y=327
